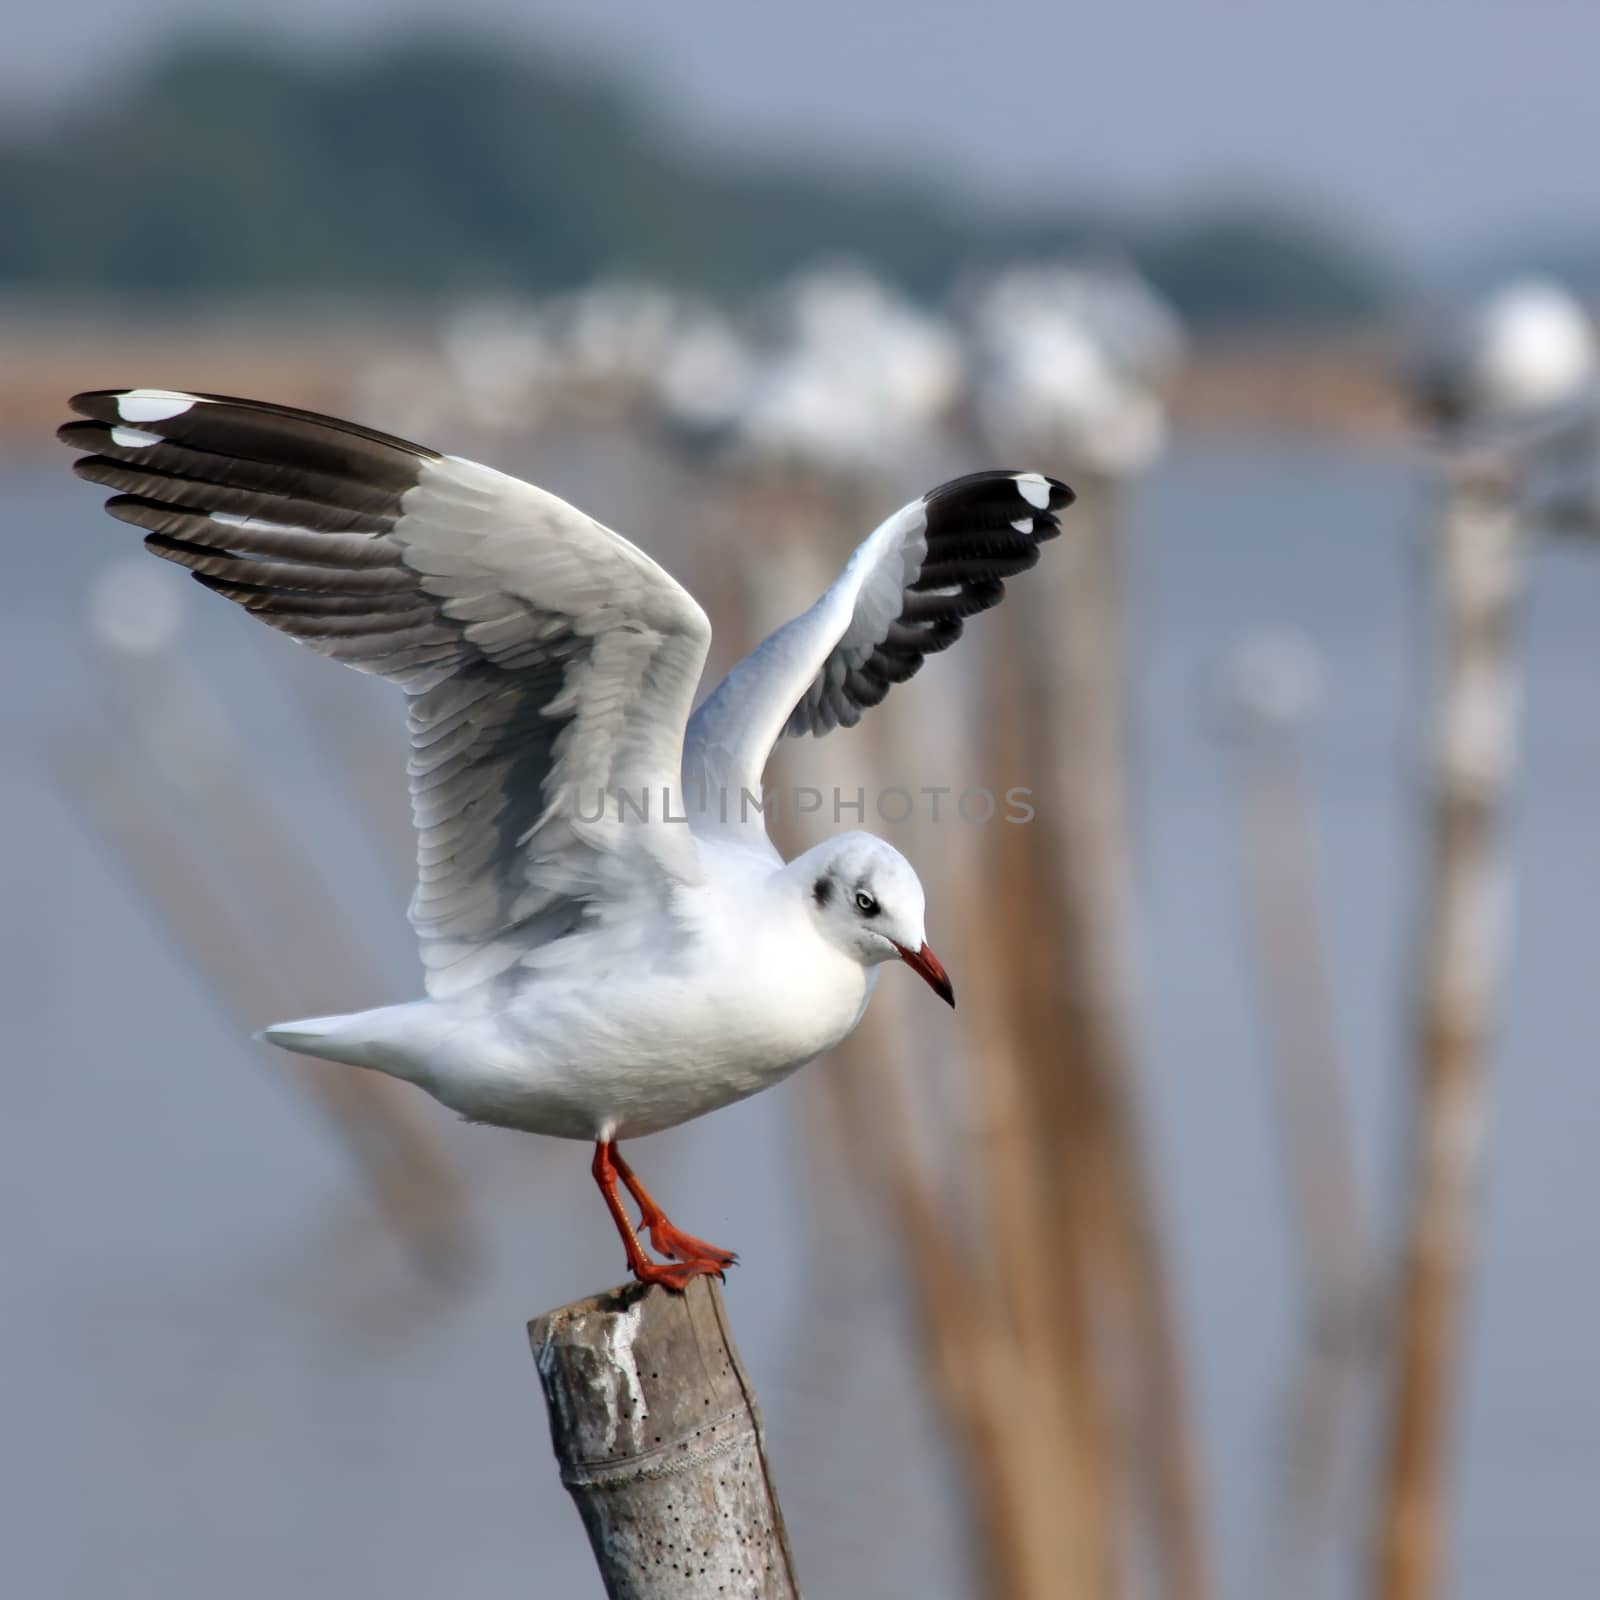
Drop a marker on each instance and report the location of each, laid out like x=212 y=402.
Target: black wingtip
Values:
x=1003 y=498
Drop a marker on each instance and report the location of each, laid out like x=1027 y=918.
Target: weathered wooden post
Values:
x=660 y=1443
x=1271 y=684
x=165 y=731
x=1513 y=395
x=1478 y=562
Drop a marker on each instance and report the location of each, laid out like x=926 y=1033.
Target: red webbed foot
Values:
x=670 y=1241
x=676 y=1275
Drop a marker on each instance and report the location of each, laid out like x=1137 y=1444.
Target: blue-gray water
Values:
x=218 y=1379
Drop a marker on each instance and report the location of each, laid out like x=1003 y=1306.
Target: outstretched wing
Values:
x=903 y=596
x=549 y=665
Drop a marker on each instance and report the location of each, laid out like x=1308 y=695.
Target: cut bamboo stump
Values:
x=660 y=1443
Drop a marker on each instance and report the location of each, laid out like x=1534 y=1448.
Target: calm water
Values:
x=219 y=1378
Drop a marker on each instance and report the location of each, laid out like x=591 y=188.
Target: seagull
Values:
x=1525 y=353
x=612 y=944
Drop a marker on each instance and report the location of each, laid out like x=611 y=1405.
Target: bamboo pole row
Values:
x=1030 y=1217
x=1053 y=1305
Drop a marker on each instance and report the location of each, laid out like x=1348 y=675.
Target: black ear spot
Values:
x=822 y=891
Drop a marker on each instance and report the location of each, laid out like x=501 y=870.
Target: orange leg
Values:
x=605 y=1169
x=670 y=1241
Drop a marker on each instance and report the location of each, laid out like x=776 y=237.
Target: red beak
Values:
x=929 y=967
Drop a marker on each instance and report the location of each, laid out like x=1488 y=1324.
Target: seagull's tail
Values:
x=361 y=1039
x=328 y=1038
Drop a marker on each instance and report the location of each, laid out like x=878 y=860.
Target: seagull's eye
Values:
x=865 y=904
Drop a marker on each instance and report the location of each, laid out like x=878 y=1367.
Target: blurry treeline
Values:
x=228 y=166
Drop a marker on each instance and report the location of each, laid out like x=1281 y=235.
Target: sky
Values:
x=1438 y=128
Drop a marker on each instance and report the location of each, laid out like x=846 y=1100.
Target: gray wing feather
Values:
x=547 y=662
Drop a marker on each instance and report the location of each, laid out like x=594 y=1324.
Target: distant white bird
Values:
x=854 y=375
x=602 y=961
x=1075 y=360
x=1528 y=349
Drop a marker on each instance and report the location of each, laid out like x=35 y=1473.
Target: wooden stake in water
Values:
x=1478 y=581
x=660 y=1444
x=1271 y=685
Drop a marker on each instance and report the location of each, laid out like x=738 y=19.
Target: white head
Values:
x=865 y=898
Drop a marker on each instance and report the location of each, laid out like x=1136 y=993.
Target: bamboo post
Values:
x=1270 y=688
x=165 y=727
x=1067 y=667
x=660 y=1443
x=1478 y=580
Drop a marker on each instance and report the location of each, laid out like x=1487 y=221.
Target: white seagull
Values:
x=601 y=962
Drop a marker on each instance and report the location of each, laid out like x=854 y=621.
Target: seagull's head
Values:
x=866 y=898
